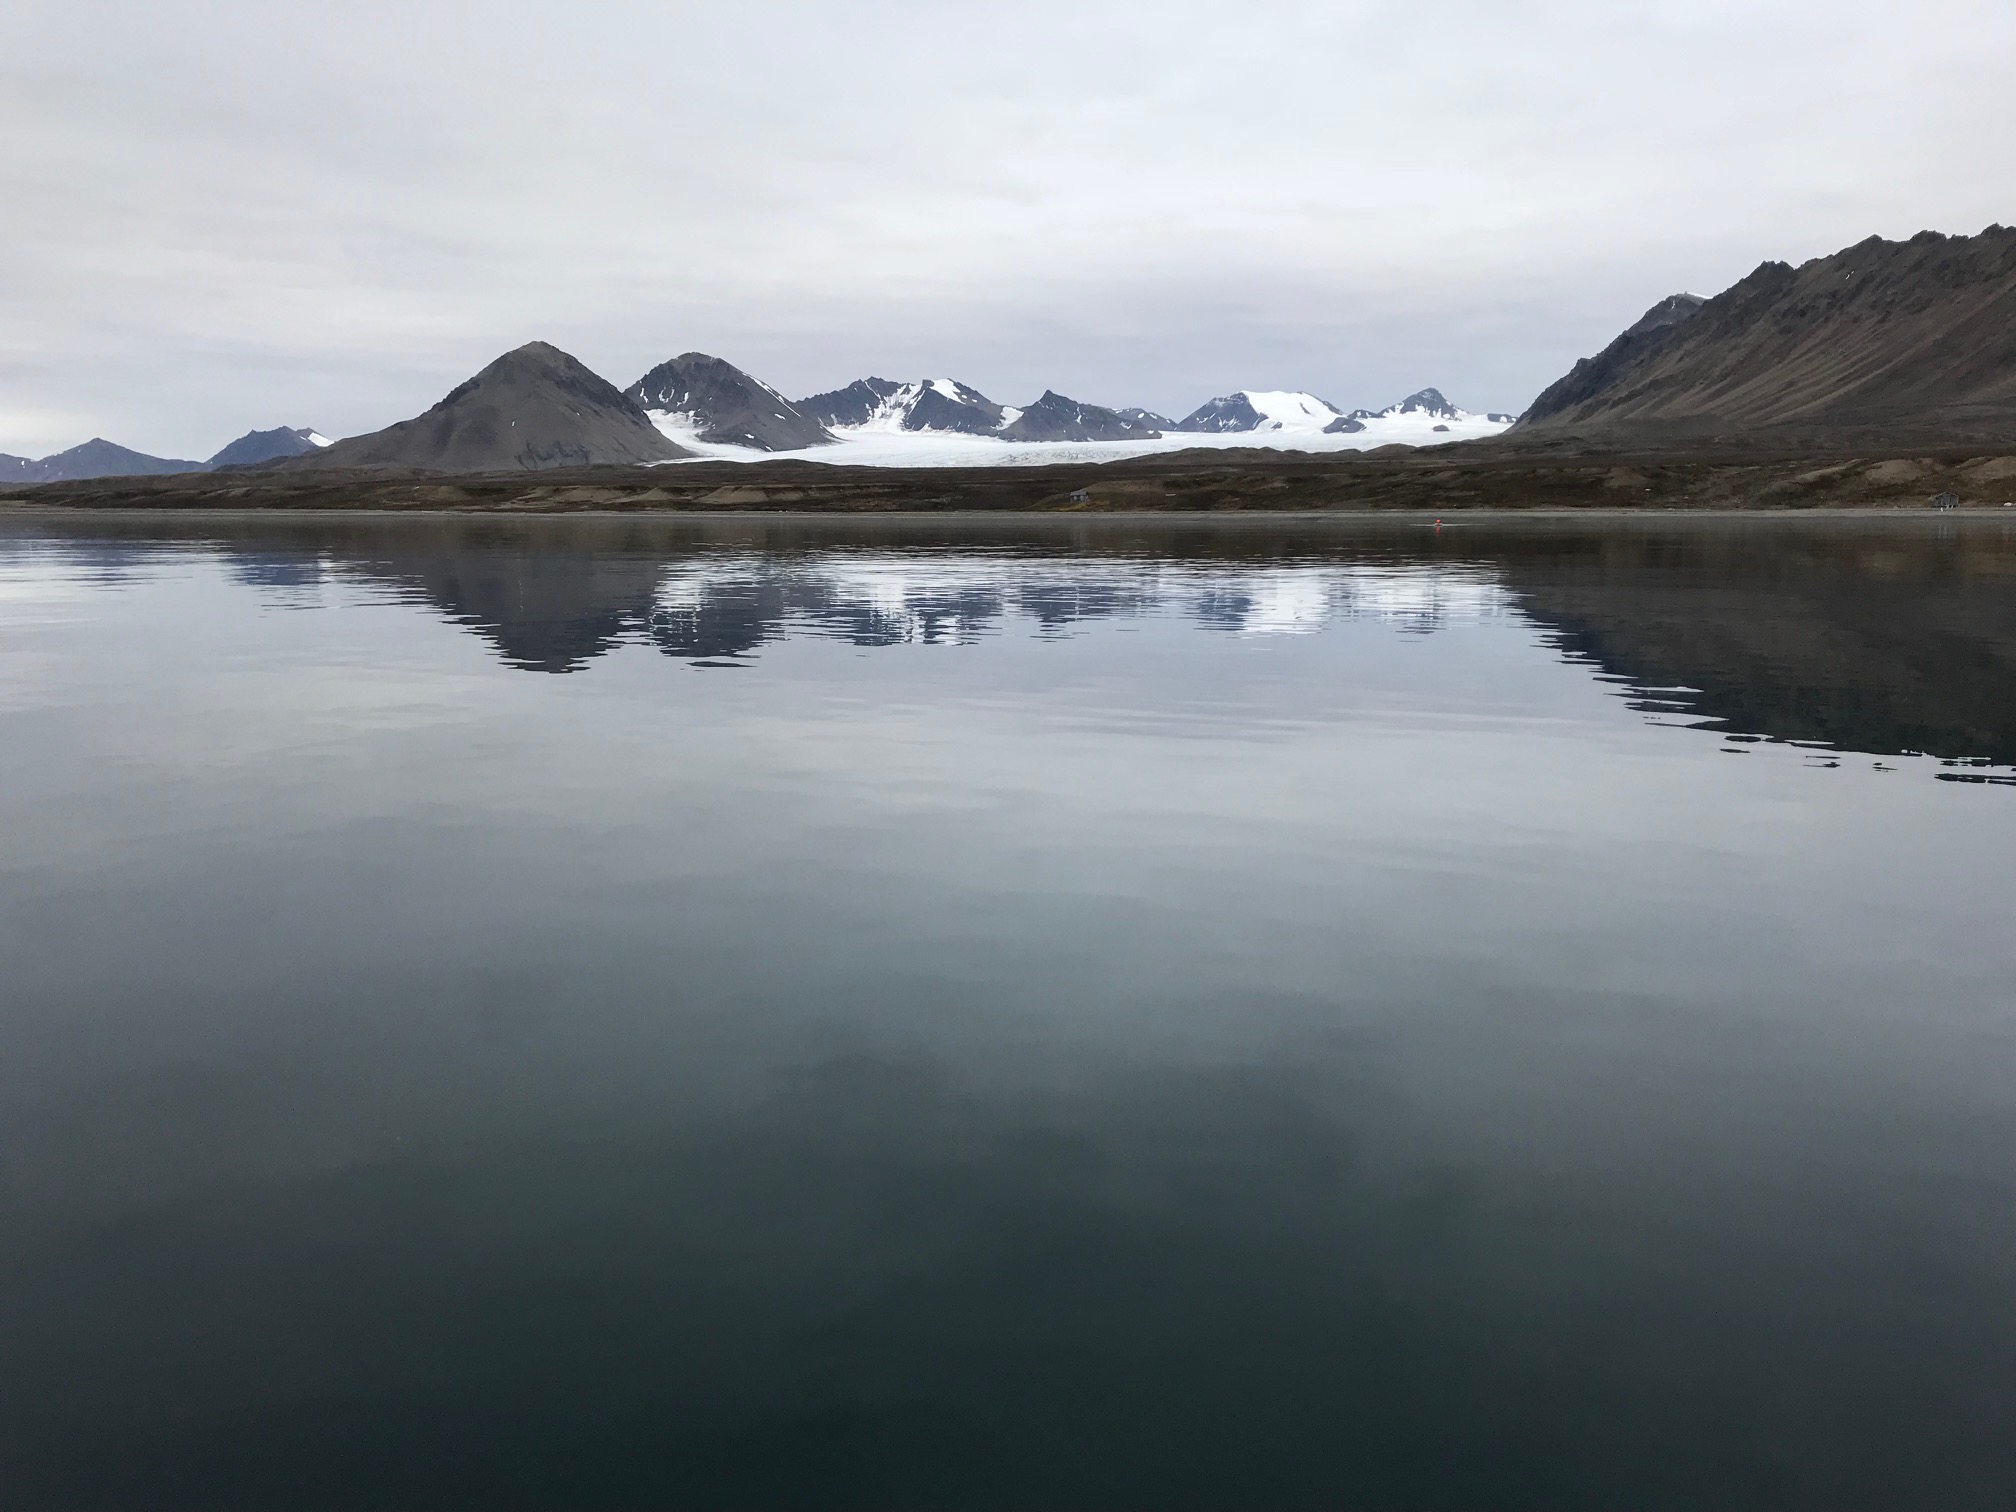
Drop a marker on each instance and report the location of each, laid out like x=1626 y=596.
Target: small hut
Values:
x=1946 y=501
x=1081 y=496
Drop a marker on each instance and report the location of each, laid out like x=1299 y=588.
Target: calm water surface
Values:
x=1092 y=1015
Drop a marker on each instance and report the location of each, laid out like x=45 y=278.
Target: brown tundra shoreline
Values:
x=1423 y=482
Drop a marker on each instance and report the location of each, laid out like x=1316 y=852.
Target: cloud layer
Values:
x=225 y=215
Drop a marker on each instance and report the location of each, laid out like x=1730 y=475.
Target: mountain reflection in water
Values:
x=1883 y=637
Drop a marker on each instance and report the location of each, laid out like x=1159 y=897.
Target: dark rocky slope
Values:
x=1222 y=416
x=1891 y=341
x=532 y=409
x=947 y=405
x=1055 y=418
x=726 y=406
x=852 y=405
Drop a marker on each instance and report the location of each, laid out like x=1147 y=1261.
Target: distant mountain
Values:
x=855 y=404
x=1892 y=340
x=1255 y=410
x=1055 y=418
x=1427 y=402
x=268 y=446
x=942 y=404
x=531 y=409
x=96 y=458
x=722 y=404
x=1228 y=412
x=934 y=404
x=99 y=458
x=1147 y=418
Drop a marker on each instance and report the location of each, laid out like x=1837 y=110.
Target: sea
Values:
x=1002 y=1012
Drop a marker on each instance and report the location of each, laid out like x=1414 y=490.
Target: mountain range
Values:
x=99 y=458
x=944 y=404
x=537 y=408
x=1895 y=340
x=948 y=406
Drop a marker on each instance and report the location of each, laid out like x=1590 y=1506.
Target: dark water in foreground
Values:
x=1099 y=1016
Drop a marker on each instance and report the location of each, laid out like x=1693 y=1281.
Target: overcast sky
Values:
x=223 y=214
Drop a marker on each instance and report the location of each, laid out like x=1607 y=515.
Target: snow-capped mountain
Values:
x=702 y=398
x=931 y=404
x=1266 y=411
x=1228 y=412
x=1428 y=404
x=945 y=405
x=940 y=422
x=856 y=404
x=1056 y=418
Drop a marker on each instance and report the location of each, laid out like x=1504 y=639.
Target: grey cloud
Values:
x=232 y=214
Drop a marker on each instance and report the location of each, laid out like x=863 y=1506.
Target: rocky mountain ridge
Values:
x=1911 y=340
x=724 y=405
x=99 y=458
x=1908 y=343
x=718 y=411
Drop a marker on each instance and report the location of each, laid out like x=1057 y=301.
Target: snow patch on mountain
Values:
x=717 y=401
x=1261 y=411
x=931 y=404
x=891 y=446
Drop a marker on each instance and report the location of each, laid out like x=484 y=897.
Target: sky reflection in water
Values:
x=1106 y=1014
